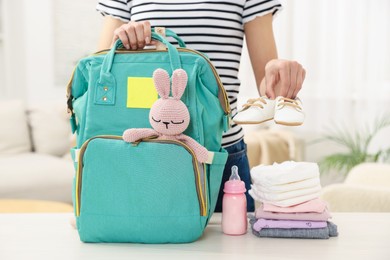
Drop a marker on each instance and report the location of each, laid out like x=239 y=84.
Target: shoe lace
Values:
x=254 y=102
x=288 y=102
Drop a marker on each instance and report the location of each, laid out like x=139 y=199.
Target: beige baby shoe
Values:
x=255 y=111
x=288 y=111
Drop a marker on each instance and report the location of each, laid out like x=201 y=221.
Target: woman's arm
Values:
x=110 y=24
x=274 y=77
x=261 y=45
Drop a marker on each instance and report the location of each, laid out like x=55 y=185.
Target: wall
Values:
x=344 y=46
x=13 y=84
x=39 y=62
x=39 y=35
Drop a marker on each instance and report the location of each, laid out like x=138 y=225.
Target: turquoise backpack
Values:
x=153 y=191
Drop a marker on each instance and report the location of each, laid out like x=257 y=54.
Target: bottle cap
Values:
x=234 y=184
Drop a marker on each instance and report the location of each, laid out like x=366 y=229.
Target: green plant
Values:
x=357 y=143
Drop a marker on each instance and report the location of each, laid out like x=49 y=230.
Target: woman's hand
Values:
x=283 y=78
x=134 y=35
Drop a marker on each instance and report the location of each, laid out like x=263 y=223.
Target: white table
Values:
x=50 y=236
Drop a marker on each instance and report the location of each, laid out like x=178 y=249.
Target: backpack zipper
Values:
x=222 y=96
x=201 y=191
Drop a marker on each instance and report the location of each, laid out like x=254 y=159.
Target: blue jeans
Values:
x=237 y=156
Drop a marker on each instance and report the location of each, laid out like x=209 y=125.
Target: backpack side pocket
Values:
x=215 y=172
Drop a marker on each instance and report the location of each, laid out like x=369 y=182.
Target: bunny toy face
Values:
x=169 y=115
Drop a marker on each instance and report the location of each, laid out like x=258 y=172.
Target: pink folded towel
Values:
x=314 y=205
x=313 y=216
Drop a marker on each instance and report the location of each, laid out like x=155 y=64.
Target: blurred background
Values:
x=343 y=45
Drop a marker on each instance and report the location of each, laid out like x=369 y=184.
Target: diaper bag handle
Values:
x=170 y=33
x=106 y=84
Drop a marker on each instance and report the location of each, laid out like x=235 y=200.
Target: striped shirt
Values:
x=214 y=27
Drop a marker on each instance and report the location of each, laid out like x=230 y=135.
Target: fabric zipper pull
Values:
x=73 y=123
x=226 y=122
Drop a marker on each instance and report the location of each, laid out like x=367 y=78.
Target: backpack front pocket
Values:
x=151 y=192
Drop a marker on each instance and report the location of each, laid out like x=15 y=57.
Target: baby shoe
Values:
x=288 y=111
x=255 y=111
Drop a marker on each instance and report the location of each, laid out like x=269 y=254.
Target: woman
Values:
x=216 y=28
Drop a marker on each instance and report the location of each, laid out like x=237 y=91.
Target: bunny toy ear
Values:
x=161 y=82
x=179 y=83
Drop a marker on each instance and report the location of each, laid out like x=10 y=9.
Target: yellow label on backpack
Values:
x=141 y=92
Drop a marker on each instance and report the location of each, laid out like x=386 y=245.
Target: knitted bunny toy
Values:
x=168 y=116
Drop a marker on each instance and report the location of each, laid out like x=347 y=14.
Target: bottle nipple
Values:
x=234 y=175
x=234 y=184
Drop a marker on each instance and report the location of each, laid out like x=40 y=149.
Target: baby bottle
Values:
x=234 y=220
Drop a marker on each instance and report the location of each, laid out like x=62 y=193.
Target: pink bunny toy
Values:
x=168 y=116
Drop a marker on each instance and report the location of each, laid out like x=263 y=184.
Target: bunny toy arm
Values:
x=200 y=151
x=134 y=134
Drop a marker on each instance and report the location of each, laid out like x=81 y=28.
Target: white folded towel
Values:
x=278 y=196
x=283 y=173
x=304 y=184
x=287 y=202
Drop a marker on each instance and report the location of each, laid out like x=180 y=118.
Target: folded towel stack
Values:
x=290 y=205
